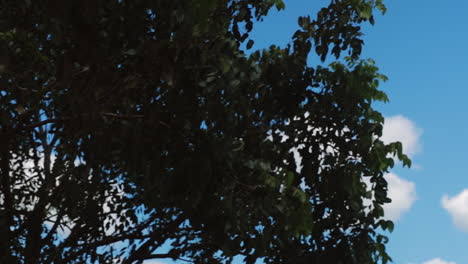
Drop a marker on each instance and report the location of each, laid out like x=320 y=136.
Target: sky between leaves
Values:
x=421 y=46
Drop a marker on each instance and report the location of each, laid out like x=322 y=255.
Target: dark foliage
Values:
x=128 y=124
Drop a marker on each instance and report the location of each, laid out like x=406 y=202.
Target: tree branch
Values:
x=58 y=120
x=41 y=123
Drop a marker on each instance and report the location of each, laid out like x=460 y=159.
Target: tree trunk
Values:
x=6 y=209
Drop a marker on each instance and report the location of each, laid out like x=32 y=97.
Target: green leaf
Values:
x=249 y=44
x=279 y=5
x=130 y=52
x=300 y=195
x=225 y=65
x=289 y=178
x=365 y=11
x=390 y=226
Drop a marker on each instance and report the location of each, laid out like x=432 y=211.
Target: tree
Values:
x=129 y=124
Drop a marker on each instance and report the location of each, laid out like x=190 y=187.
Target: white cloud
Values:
x=403 y=195
x=438 y=261
x=400 y=128
x=457 y=207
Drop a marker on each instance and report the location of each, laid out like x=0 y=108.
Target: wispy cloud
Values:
x=438 y=261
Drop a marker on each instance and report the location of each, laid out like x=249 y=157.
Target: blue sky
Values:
x=422 y=47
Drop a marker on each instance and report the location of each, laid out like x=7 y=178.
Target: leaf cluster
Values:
x=126 y=125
